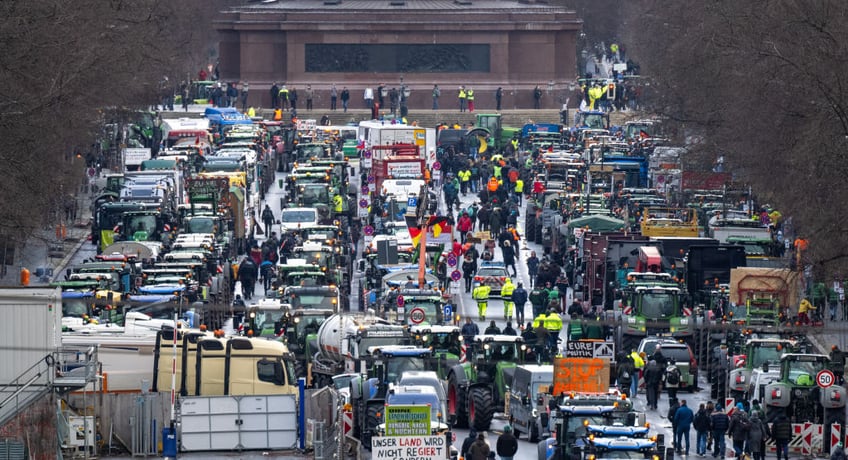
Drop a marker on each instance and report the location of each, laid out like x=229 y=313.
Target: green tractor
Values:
x=477 y=387
x=806 y=392
x=386 y=364
x=446 y=343
x=651 y=305
x=300 y=329
x=495 y=136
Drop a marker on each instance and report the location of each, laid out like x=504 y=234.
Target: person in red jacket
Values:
x=464 y=226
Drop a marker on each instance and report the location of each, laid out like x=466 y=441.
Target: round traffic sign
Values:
x=367 y=154
x=370 y=179
x=825 y=378
x=456 y=275
x=451 y=260
x=437 y=166
x=368 y=230
x=365 y=190
x=400 y=301
x=363 y=203
x=417 y=315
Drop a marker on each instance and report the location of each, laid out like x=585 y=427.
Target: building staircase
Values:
x=62 y=371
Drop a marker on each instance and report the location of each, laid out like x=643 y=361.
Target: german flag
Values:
x=438 y=225
x=414 y=230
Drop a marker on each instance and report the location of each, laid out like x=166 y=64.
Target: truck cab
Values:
x=528 y=400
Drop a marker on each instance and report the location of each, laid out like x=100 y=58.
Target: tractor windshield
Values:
x=765 y=354
x=400 y=364
x=657 y=305
x=501 y=351
x=803 y=373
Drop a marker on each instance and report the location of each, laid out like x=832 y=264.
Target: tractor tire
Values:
x=457 y=405
x=533 y=436
x=299 y=368
x=481 y=408
x=372 y=419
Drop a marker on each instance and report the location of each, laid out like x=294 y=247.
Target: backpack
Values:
x=625 y=375
x=702 y=421
x=673 y=376
x=744 y=423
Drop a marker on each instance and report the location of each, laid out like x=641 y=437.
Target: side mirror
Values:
x=765 y=366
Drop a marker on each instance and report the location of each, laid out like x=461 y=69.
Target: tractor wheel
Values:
x=481 y=408
x=533 y=436
x=457 y=403
x=300 y=368
x=372 y=419
x=630 y=342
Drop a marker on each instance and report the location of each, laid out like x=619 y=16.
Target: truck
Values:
x=398 y=161
x=186 y=359
x=724 y=228
x=660 y=222
x=708 y=267
x=376 y=133
x=764 y=293
x=344 y=341
x=527 y=402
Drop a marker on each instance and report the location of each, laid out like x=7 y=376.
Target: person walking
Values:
x=437 y=93
x=638 y=367
x=469 y=96
x=507 y=444
x=673 y=405
x=653 y=381
x=466 y=443
x=479 y=450
x=740 y=424
x=701 y=423
x=625 y=375
x=268 y=219
x=672 y=379
x=533 y=267
x=506 y=294
x=498 y=98
x=345 y=96
x=838 y=452
x=481 y=295
x=719 y=423
x=468 y=269
x=293 y=98
x=683 y=419
x=508 y=252
x=284 y=97
x=757 y=435
x=369 y=97
x=781 y=432
x=519 y=298
x=553 y=323
x=334 y=97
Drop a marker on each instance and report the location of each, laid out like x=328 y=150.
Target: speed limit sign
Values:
x=825 y=378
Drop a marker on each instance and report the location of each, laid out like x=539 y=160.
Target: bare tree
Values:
x=765 y=82
x=62 y=64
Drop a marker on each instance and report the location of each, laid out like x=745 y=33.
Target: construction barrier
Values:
x=808 y=439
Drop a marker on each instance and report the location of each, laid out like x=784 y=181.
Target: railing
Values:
x=31 y=384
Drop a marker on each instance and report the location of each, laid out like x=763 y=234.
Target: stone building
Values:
x=485 y=44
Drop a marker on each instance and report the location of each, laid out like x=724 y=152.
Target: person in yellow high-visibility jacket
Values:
x=539 y=321
x=506 y=294
x=481 y=295
x=553 y=323
x=803 y=309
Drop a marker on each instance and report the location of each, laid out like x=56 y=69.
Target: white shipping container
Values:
x=31 y=328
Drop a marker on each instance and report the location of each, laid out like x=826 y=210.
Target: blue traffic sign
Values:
x=448 y=311
x=456 y=275
x=412 y=202
x=452 y=260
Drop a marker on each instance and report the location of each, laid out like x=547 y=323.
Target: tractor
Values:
x=806 y=392
x=476 y=388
